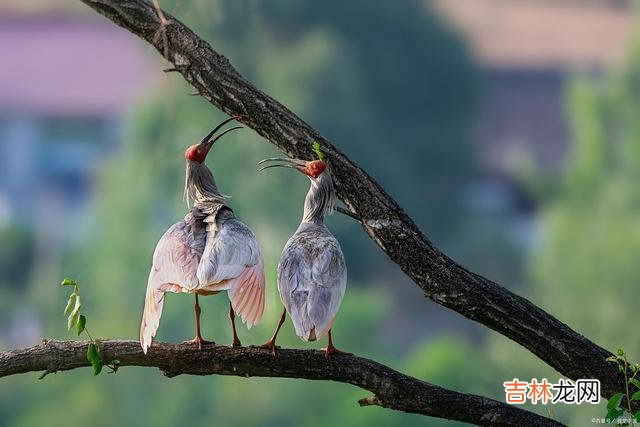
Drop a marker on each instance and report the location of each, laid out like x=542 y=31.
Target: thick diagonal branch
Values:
x=391 y=389
x=441 y=279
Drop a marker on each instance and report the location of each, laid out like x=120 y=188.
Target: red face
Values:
x=314 y=168
x=196 y=153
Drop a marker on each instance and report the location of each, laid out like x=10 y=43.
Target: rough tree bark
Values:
x=391 y=389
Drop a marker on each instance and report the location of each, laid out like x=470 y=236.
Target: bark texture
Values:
x=391 y=389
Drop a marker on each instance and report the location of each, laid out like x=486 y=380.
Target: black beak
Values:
x=283 y=163
x=209 y=142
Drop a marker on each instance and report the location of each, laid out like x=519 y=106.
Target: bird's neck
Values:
x=320 y=199
x=200 y=186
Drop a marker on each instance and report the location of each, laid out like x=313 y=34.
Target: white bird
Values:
x=312 y=273
x=207 y=252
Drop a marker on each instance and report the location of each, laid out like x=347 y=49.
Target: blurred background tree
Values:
x=583 y=267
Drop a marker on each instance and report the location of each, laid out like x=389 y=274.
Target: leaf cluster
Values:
x=630 y=370
x=75 y=318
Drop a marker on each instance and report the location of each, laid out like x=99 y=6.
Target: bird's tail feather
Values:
x=247 y=294
x=319 y=314
x=151 y=317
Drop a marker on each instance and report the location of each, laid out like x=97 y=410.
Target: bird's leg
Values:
x=332 y=350
x=271 y=344
x=232 y=317
x=198 y=339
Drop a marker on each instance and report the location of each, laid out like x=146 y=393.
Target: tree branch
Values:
x=391 y=389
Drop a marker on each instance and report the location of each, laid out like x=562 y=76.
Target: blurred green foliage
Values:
x=583 y=268
x=16 y=249
x=591 y=229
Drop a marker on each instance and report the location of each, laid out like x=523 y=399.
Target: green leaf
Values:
x=636 y=395
x=620 y=352
x=635 y=382
x=75 y=314
x=68 y=282
x=70 y=303
x=94 y=358
x=613 y=414
x=637 y=416
x=72 y=320
x=613 y=359
x=316 y=148
x=614 y=401
x=82 y=321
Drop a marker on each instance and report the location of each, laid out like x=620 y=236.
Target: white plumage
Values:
x=312 y=278
x=207 y=252
x=312 y=273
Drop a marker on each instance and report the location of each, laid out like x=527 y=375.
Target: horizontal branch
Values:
x=442 y=279
x=391 y=389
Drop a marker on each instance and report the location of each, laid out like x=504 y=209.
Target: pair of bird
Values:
x=210 y=251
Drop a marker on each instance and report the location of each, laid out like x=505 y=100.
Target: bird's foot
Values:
x=331 y=350
x=199 y=342
x=236 y=343
x=270 y=345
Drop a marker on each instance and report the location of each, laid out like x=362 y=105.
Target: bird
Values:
x=312 y=272
x=207 y=252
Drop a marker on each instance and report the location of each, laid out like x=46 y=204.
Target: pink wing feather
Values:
x=174 y=269
x=215 y=257
x=247 y=294
x=232 y=261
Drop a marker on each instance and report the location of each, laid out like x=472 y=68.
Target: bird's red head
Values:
x=314 y=168
x=198 y=152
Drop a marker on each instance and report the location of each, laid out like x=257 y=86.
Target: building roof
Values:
x=543 y=34
x=69 y=64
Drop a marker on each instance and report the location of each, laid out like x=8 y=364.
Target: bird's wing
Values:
x=312 y=278
x=294 y=284
x=175 y=264
x=232 y=261
x=330 y=276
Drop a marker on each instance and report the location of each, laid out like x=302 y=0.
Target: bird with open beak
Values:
x=207 y=252
x=312 y=273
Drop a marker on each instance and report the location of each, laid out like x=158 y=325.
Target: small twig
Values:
x=171 y=70
x=347 y=212
x=44 y=374
x=626 y=383
x=162 y=31
x=370 y=401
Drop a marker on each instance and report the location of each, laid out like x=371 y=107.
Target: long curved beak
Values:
x=283 y=163
x=207 y=142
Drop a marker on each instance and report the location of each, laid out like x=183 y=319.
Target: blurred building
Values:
x=527 y=49
x=65 y=83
